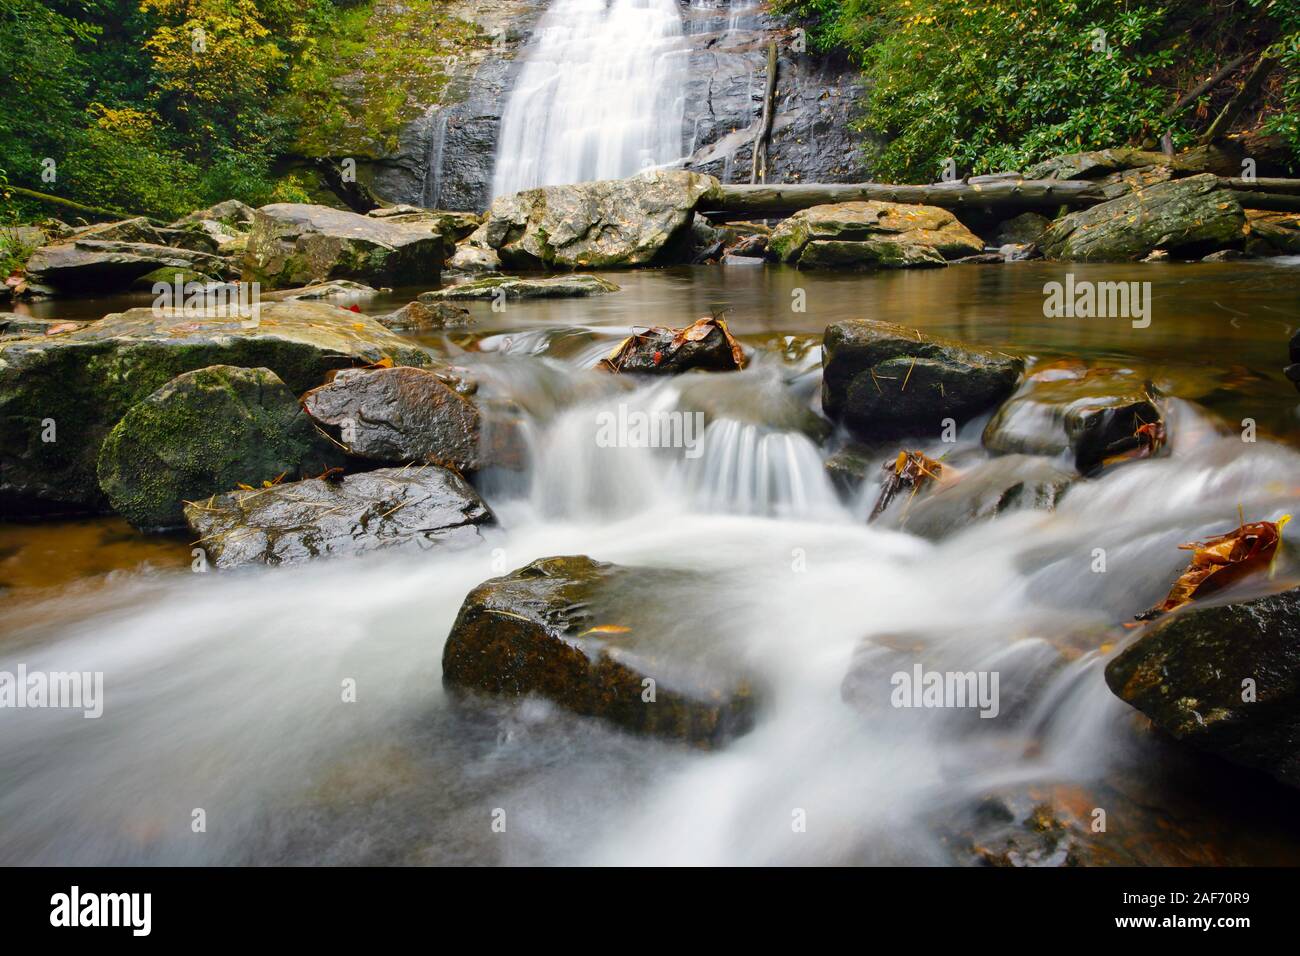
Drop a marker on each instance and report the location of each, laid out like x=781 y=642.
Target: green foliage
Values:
x=1000 y=84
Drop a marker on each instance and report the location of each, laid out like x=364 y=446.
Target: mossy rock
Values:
x=170 y=275
x=204 y=432
x=60 y=395
x=592 y=637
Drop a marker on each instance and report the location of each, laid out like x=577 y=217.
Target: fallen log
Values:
x=1268 y=202
x=995 y=193
x=89 y=212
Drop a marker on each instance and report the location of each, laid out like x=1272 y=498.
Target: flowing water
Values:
x=600 y=95
x=222 y=690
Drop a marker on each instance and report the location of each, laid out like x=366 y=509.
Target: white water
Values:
x=223 y=690
x=600 y=95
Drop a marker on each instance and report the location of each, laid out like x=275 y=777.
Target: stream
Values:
x=222 y=690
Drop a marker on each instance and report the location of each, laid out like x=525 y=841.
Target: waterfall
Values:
x=600 y=95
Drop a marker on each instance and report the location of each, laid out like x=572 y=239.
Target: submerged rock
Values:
x=591 y=637
x=871 y=234
x=610 y=223
x=513 y=287
x=334 y=289
x=419 y=508
x=1189 y=217
x=299 y=244
x=1225 y=679
x=203 y=432
x=982 y=492
x=60 y=394
x=886 y=381
x=1089 y=412
x=399 y=415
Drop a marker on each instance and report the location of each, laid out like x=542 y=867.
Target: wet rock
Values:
x=298 y=244
x=420 y=316
x=95 y=265
x=1085 y=411
x=513 y=287
x=390 y=508
x=982 y=492
x=1189 y=217
x=1227 y=255
x=81 y=383
x=336 y=289
x=871 y=235
x=1273 y=233
x=1188 y=673
x=1020 y=230
x=851 y=465
x=591 y=637
x=1293 y=370
x=399 y=415
x=203 y=432
x=13 y=325
x=659 y=351
x=616 y=222
x=886 y=381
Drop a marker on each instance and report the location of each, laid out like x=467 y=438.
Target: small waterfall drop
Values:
x=600 y=96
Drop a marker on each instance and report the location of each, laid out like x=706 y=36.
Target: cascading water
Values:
x=600 y=95
x=222 y=691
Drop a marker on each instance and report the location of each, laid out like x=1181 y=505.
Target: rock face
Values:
x=871 y=235
x=583 y=634
x=616 y=222
x=203 y=432
x=513 y=287
x=417 y=508
x=399 y=415
x=1085 y=412
x=299 y=244
x=1021 y=230
x=81 y=383
x=1186 y=673
x=887 y=381
x=106 y=265
x=1187 y=217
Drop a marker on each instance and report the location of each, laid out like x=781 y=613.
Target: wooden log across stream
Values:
x=1003 y=194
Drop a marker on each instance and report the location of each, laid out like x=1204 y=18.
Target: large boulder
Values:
x=515 y=287
x=390 y=508
x=615 y=222
x=1086 y=411
x=871 y=234
x=591 y=637
x=298 y=244
x=887 y=381
x=426 y=316
x=1224 y=678
x=60 y=394
x=108 y=265
x=399 y=415
x=1186 y=217
x=203 y=432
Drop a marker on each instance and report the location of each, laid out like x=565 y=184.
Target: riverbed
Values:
x=223 y=691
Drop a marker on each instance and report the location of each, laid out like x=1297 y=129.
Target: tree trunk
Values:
x=993 y=192
x=758 y=168
x=1244 y=96
x=92 y=212
x=355 y=195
